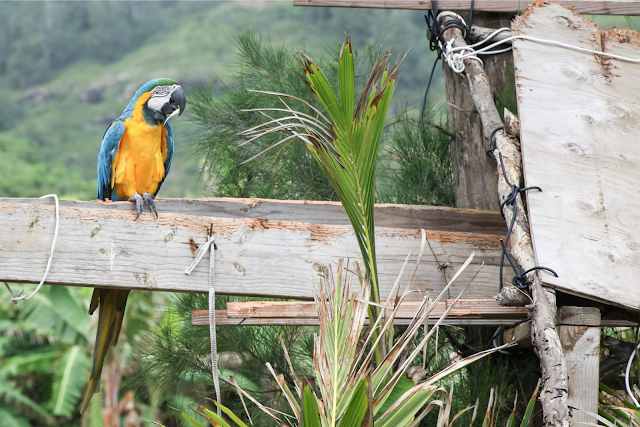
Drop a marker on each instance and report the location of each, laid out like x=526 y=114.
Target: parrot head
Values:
x=166 y=100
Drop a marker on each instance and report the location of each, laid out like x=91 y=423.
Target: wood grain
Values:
x=594 y=7
x=553 y=396
x=436 y=218
x=479 y=308
x=257 y=257
x=580 y=135
x=473 y=171
x=581 y=345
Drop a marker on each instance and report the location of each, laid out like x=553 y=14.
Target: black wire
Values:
x=424 y=99
x=492 y=144
x=470 y=22
x=520 y=280
x=434 y=35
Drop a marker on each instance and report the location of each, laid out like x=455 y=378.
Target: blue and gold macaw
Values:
x=134 y=159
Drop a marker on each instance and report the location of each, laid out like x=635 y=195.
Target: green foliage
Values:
x=42 y=374
x=343 y=143
x=175 y=355
x=419 y=167
x=69 y=380
x=288 y=172
x=38 y=40
x=23 y=175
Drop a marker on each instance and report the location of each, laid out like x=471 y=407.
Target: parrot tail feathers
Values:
x=92 y=388
x=112 y=303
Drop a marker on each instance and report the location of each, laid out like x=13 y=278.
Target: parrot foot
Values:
x=147 y=197
x=139 y=203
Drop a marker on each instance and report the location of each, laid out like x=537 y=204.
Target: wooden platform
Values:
x=266 y=248
x=580 y=134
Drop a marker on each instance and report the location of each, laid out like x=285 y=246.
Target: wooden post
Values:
x=474 y=173
x=544 y=335
x=579 y=331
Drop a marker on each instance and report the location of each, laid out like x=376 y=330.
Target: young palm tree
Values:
x=344 y=139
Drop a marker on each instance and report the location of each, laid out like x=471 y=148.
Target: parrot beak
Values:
x=180 y=99
x=176 y=104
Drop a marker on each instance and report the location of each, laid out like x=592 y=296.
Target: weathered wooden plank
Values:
x=581 y=345
x=464 y=307
x=107 y=248
x=201 y=318
x=520 y=333
x=472 y=308
x=593 y=7
x=414 y=217
x=580 y=136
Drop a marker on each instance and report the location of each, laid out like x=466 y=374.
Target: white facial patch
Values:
x=160 y=95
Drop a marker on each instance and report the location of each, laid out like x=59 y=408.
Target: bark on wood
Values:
x=545 y=337
x=478 y=34
x=512 y=297
x=595 y=7
x=474 y=173
x=511 y=124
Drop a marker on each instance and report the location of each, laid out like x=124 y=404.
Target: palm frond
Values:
x=344 y=139
x=69 y=380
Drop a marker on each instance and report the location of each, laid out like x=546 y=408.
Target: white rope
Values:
x=626 y=376
x=455 y=56
x=212 y=312
x=20 y=296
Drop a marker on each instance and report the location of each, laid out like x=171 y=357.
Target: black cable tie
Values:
x=492 y=143
x=541 y=268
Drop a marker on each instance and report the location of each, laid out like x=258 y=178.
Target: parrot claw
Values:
x=147 y=197
x=139 y=203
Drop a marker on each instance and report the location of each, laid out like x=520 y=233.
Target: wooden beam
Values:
x=594 y=7
x=201 y=318
x=466 y=311
x=414 y=217
x=479 y=308
x=100 y=245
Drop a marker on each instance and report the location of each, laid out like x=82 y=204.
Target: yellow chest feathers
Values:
x=138 y=166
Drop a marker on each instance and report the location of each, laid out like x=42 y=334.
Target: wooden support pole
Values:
x=595 y=7
x=579 y=331
x=474 y=173
x=545 y=337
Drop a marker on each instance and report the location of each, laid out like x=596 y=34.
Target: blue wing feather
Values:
x=167 y=161
x=108 y=150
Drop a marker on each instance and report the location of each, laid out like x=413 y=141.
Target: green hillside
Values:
x=50 y=136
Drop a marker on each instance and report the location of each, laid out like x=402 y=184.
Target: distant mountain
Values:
x=67 y=69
